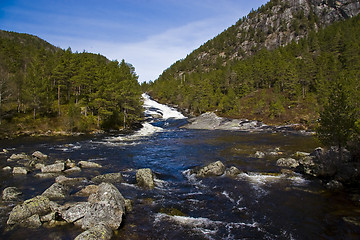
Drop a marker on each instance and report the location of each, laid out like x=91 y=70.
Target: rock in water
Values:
x=232 y=171
x=39 y=155
x=107 y=206
x=213 y=169
x=87 y=164
x=99 y=231
x=39 y=205
x=145 y=178
x=109 y=177
x=75 y=212
x=57 y=191
x=20 y=170
x=287 y=162
x=53 y=168
x=11 y=194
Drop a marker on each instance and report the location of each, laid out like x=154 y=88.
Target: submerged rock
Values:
x=145 y=178
x=213 y=169
x=39 y=205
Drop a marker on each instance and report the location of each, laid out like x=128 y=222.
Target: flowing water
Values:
x=260 y=203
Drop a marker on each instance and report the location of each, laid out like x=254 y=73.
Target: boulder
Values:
x=232 y=171
x=11 y=194
x=47 y=175
x=99 y=231
x=72 y=170
x=109 y=177
x=69 y=181
x=56 y=191
x=87 y=191
x=213 y=169
x=75 y=212
x=20 y=170
x=287 y=162
x=145 y=178
x=7 y=169
x=17 y=157
x=39 y=155
x=87 y=164
x=39 y=205
x=70 y=164
x=53 y=168
x=107 y=206
x=31 y=222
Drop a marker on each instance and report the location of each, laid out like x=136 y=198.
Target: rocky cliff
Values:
x=275 y=24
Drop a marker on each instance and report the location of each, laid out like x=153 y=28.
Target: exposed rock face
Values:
x=107 y=206
x=145 y=178
x=39 y=205
x=213 y=169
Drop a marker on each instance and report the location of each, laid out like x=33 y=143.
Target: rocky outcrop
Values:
x=145 y=178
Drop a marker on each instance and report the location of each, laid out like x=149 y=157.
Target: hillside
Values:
x=44 y=88
x=274 y=65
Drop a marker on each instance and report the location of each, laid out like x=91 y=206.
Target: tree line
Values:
x=73 y=91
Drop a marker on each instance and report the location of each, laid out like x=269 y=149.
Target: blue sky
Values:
x=150 y=34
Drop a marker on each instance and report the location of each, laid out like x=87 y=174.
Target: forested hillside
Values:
x=275 y=65
x=46 y=88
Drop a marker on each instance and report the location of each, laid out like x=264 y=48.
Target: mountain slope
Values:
x=247 y=71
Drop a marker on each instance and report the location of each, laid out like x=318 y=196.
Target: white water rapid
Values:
x=154 y=108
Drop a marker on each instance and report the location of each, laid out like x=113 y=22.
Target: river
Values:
x=260 y=203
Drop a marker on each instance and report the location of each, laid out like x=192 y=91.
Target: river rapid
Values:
x=260 y=203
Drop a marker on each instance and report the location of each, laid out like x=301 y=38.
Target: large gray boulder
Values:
x=39 y=205
x=107 y=206
x=145 y=178
x=213 y=169
x=99 y=231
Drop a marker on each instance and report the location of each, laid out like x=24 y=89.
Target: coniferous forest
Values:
x=289 y=84
x=43 y=87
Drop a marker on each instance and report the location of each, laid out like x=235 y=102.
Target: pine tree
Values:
x=337 y=120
